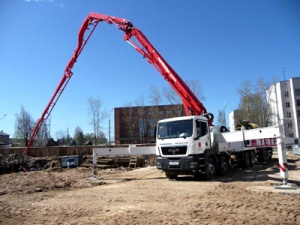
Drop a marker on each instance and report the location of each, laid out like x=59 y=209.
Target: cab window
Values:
x=202 y=128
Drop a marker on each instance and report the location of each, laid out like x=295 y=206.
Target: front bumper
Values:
x=189 y=163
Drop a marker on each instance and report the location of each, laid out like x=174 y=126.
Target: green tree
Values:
x=102 y=138
x=79 y=136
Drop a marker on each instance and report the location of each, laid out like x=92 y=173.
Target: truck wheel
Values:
x=223 y=166
x=265 y=155
x=247 y=160
x=270 y=153
x=171 y=175
x=252 y=158
x=210 y=168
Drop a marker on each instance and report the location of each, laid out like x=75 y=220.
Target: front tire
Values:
x=171 y=176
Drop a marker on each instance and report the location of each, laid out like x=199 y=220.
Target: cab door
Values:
x=202 y=135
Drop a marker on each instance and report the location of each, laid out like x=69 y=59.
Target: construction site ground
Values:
x=146 y=196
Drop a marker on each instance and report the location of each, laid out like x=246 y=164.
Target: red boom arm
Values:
x=191 y=103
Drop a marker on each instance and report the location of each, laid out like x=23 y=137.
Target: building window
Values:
x=290 y=125
x=143 y=126
x=288 y=115
x=297 y=91
x=151 y=132
x=298 y=102
x=286 y=94
x=291 y=135
x=287 y=105
x=298 y=113
x=152 y=122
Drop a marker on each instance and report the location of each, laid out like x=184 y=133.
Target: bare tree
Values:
x=43 y=131
x=173 y=98
x=262 y=107
x=194 y=85
x=155 y=99
x=155 y=95
x=63 y=136
x=221 y=118
x=143 y=120
x=140 y=100
x=96 y=116
x=245 y=98
x=196 y=88
x=24 y=125
x=253 y=104
x=130 y=123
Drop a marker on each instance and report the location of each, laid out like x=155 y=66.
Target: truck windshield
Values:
x=175 y=129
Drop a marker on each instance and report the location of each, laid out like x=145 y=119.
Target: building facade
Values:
x=284 y=101
x=135 y=125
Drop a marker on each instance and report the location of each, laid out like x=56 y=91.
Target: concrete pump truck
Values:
x=184 y=145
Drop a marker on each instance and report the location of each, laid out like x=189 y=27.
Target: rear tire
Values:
x=265 y=155
x=252 y=158
x=210 y=168
x=270 y=153
x=223 y=166
x=247 y=160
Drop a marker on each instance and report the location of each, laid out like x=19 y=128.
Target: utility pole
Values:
x=225 y=113
x=109 y=127
x=3 y=116
x=49 y=127
x=283 y=72
x=109 y=132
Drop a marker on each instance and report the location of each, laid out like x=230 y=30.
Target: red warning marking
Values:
x=262 y=142
x=283 y=167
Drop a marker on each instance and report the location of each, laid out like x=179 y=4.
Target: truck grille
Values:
x=179 y=150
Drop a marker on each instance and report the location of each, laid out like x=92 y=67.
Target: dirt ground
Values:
x=146 y=196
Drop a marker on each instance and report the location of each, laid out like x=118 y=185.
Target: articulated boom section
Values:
x=191 y=103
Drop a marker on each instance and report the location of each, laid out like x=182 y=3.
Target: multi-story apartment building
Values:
x=284 y=100
x=135 y=125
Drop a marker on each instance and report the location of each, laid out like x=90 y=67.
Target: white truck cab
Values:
x=183 y=145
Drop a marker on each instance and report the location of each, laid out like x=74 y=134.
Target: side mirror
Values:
x=155 y=130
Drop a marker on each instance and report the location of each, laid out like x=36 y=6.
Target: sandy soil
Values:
x=145 y=196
